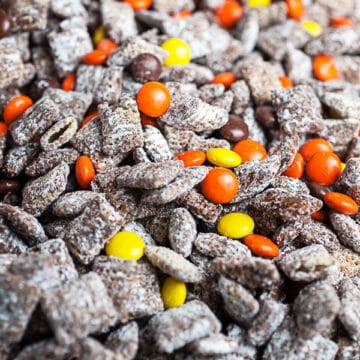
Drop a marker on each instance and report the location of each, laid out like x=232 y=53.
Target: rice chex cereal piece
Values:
x=10 y=242
x=245 y=348
x=182 y=184
x=39 y=194
x=268 y=319
x=351 y=174
x=155 y=145
x=312 y=318
x=270 y=15
x=166 y=7
x=87 y=234
x=254 y=273
x=68 y=8
x=5 y=261
x=238 y=302
x=150 y=175
x=23 y=224
x=3 y=144
x=17 y=302
x=34 y=121
x=348 y=350
x=199 y=143
x=298 y=110
x=88 y=139
x=308 y=264
x=298 y=65
x=347 y=230
x=118 y=19
x=174 y=328
x=78 y=308
x=47 y=160
x=296 y=186
x=182 y=231
x=344 y=105
x=69 y=45
x=11 y=65
x=93 y=349
x=173 y=264
x=214 y=245
x=120 y=127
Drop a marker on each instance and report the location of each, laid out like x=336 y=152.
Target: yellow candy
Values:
x=343 y=166
x=125 y=245
x=173 y=293
x=235 y=225
x=258 y=3
x=179 y=52
x=99 y=34
x=223 y=157
x=312 y=28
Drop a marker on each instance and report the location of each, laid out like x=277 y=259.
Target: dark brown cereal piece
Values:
x=109 y=88
x=137 y=228
x=191 y=113
x=158 y=228
x=255 y=176
x=261 y=80
x=27 y=15
x=286 y=205
x=242 y=97
x=334 y=42
x=199 y=206
x=298 y=65
x=87 y=234
x=120 y=126
x=239 y=303
x=68 y=9
x=23 y=224
x=56 y=228
x=17 y=158
x=106 y=182
x=12 y=66
x=88 y=78
x=287 y=232
x=47 y=160
x=214 y=245
x=39 y=194
x=349 y=262
x=118 y=19
x=10 y=243
x=150 y=175
x=309 y=316
x=93 y=349
x=213 y=345
x=224 y=101
x=17 y=302
x=178 y=140
x=182 y=231
x=71 y=103
x=349 y=314
x=192 y=321
x=69 y=44
x=209 y=92
x=308 y=264
x=268 y=319
x=354 y=193
x=348 y=350
x=155 y=144
x=199 y=143
x=43 y=62
x=61 y=257
x=78 y=308
x=59 y=134
x=124 y=341
x=295 y=186
x=182 y=184
x=173 y=264
x=354 y=148
x=347 y=230
x=34 y=121
x=315 y=232
x=298 y=110
x=351 y=174
x=254 y=273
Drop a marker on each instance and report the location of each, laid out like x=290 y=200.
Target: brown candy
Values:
x=146 y=67
x=40 y=85
x=265 y=115
x=317 y=190
x=5 y=23
x=235 y=129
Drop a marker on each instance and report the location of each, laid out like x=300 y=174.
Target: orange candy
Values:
x=295 y=8
x=191 y=158
x=89 y=118
x=296 y=169
x=220 y=185
x=341 y=22
x=107 y=46
x=16 y=107
x=139 y=4
x=145 y=120
x=153 y=99
x=84 y=172
x=324 y=68
x=229 y=13
x=69 y=82
x=286 y=82
x=250 y=150
x=318 y=216
x=3 y=129
x=181 y=14
x=341 y=203
x=261 y=246
x=323 y=168
x=225 y=78
x=313 y=146
x=95 y=57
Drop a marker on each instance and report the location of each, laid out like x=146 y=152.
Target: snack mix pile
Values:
x=179 y=180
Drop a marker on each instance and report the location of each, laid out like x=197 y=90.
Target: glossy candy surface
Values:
x=341 y=203
x=229 y=13
x=223 y=157
x=84 y=171
x=250 y=150
x=153 y=99
x=324 y=68
x=261 y=246
x=125 y=245
x=191 y=158
x=173 y=293
x=179 y=52
x=16 y=107
x=235 y=225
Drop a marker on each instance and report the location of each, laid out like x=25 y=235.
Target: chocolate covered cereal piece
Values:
x=199 y=143
x=93 y=349
x=348 y=350
x=79 y=308
x=12 y=66
x=155 y=144
x=68 y=9
x=10 y=242
x=137 y=228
